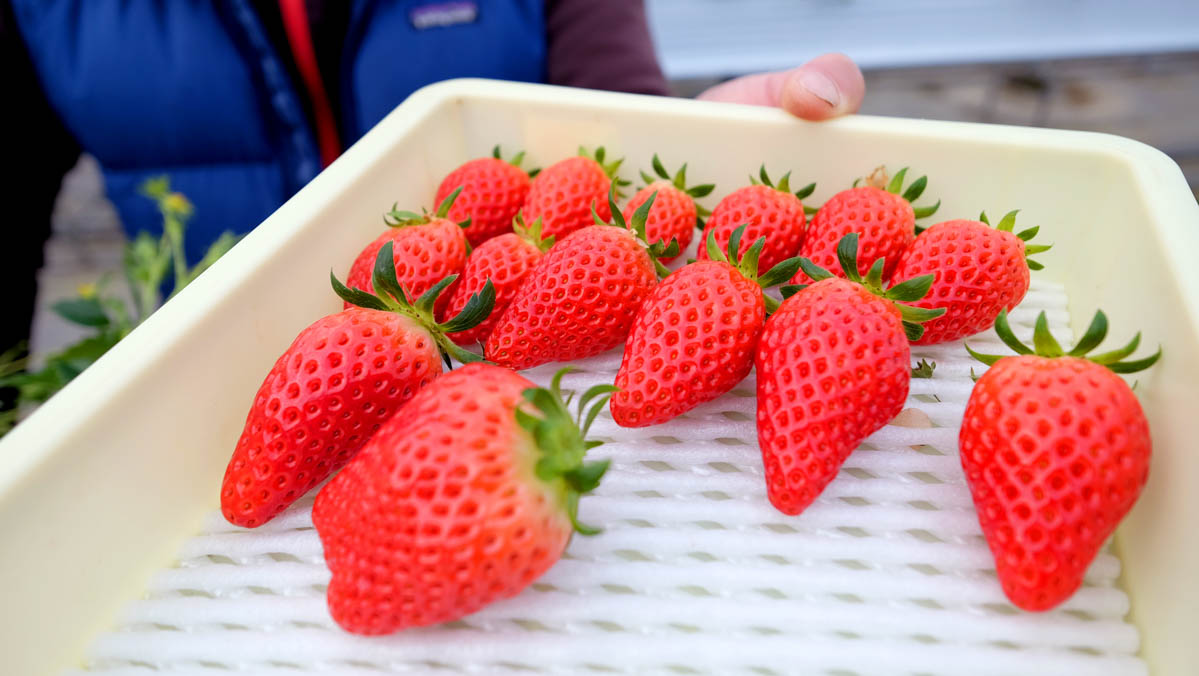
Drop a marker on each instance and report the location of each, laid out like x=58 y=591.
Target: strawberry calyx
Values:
x=679 y=180
x=562 y=441
x=784 y=185
x=1008 y=224
x=531 y=233
x=610 y=168
x=924 y=369
x=398 y=218
x=900 y=295
x=747 y=263
x=636 y=224
x=894 y=185
x=515 y=161
x=389 y=296
x=1045 y=345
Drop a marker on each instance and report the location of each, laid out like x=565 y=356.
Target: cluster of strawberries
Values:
x=473 y=492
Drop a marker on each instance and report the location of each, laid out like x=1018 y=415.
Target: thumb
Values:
x=825 y=87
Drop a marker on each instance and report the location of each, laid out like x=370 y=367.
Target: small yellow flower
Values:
x=87 y=290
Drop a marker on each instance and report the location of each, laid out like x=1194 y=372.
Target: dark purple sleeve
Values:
x=602 y=44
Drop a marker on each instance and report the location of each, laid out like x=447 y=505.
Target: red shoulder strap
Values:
x=299 y=38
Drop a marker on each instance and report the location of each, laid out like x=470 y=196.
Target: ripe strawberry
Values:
x=565 y=192
x=464 y=499
x=493 y=191
x=675 y=212
x=980 y=271
x=503 y=261
x=582 y=297
x=427 y=249
x=695 y=336
x=341 y=378
x=767 y=211
x=1056 y=451
x=833 y=367
x=884 y=220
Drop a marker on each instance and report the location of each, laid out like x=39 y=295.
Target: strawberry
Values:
x=833 y=367
x=675 y=212
x=884 y=220
x=582 y=297
x=980 y=271
x=493 y=191
x=1056 y=450
x=565 y=192
x=767 y=211
x=427 y=249
x=503 y=261
x=695 y=336
x=465 y=498
x=342 y=377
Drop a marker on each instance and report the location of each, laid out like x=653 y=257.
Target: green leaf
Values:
x=784 y=183
x=911 y=290
x=477 y=309
x=748 y=265
x=924 y=369
x=1134 y=366
x=917 y=315
x=383 y=274
x=734 y=244
x=646 y=178
x=1008 y=222
x=847 y=254
x=913 y=331
x=764 y=177
x=1004 y=331
x=874 y=276
x=701 y=190
x=83 y=311
x=1093 y=336
x=925 y=212
x=1025 y=235
x=1034 y=265
x=988 y=359
x=1106 y=358
x=788 y=290
x=443 y=209
x=812 y=270
x=594 y=412
x=658 y=168
x=714 y=252
x=915 y=190
x=586 y=477
x=572 y=511
x=1043 y=341
x=428 y=299
x=780 y=273
x=680 y=178
x=896 y=183
x=593 y=392
x=356 y=296
x=806 y=191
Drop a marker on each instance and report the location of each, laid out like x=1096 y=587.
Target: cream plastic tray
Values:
x=116 y=477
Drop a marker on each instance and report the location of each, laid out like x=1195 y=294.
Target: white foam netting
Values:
x=694 y=573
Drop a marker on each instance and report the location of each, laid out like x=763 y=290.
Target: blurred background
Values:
x=1126 y=68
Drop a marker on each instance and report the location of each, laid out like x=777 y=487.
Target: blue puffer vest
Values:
x=194 y=89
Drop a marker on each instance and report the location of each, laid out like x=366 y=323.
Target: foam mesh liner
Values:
x=694 y=572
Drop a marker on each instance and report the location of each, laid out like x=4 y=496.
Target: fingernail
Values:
x=819 y=85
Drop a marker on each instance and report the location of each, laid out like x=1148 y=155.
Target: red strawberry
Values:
x=565 y=192
x=464 y=499
x=582 y=297
x=504 y=261
x=493 y=191
x=675 y=212
x=833 y=367
x=695 y=336
x=342 y=378
x=980 y=271
x=767 y=211
x=427 y=249
x=884 y=220
x=1056 y=451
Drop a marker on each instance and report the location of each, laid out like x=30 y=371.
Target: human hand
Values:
x=828 y=86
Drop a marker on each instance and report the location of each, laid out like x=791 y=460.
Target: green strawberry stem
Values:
x=515 y=161
x=1045 y=345
x=679 y=180
x=784 y=185
x=402 y=219
x=900 y=295
x=657 y=250
x=532 y=233
x=878 y=179
x=389 y=296
x=747 y=264
x=562 y=441
x=1008 y=224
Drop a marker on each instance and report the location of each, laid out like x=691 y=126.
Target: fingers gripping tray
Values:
x=117 y=562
